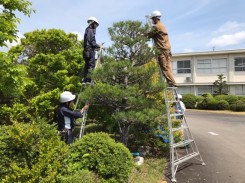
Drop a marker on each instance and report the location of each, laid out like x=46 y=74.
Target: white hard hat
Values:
x=156 y=13
x=92 y=19
x=66 y=96
x=179 y=96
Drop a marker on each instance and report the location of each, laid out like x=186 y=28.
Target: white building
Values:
x=195 y=72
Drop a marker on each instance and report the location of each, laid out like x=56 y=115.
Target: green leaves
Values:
x=128 y=44
x=8 y=20
x=36 y=71
x=220 y=86
x=30 y=152
x=12 y=77
x=99 y=153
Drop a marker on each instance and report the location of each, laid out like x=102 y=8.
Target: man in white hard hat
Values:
x=66 y=115
x=180 y=107
x=90 y=46
x=160 y=36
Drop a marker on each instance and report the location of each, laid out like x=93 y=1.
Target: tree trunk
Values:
x=125 y=126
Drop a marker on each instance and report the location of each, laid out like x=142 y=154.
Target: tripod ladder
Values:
x=183 y=148
x=186 y=140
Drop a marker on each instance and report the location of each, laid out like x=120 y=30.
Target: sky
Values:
x=192 y=25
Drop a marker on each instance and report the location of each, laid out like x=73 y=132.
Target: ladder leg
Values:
x=187 y=141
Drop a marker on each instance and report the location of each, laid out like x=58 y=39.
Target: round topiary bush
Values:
x=99 y=153
x=231 y=99
x=82 y=176
x=211 y=104
x=189 y=101
x=30 y=152
x=239 y=106
x=223 y=105
x=206 y=102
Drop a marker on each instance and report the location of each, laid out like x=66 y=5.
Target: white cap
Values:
x=179 y=96
x=92 y=19
x=156 y=14
x=66 y=96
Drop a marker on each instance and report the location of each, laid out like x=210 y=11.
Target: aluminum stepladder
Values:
x=187 y=140
x=83 y=86
x=187 y=143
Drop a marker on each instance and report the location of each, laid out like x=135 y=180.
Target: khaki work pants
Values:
x=164 y=60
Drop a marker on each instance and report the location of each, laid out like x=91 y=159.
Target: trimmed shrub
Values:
x=99 y=153
x=207 y=100
x=231 y=99
x=82 y=176
x=211 y=104
x=218 y=105
x=239 y=106
x=223 y=105
x=30 y=153
x=190 y=101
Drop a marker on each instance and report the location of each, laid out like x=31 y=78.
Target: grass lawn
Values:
x=151 y=171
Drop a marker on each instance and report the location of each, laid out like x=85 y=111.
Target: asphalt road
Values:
x=221 y=141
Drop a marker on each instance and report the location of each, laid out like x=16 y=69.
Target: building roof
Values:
x=208 y=53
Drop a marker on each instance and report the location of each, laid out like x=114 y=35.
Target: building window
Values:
x=240 y=90
x=182 y=66
x=204 y=89
x=204 y=66
x=212 y=66
x=240 y=64
x=184 y=89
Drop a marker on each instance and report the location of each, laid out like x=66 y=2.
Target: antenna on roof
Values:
x=213 y=48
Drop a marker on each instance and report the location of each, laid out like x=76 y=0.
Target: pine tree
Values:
x=220 y=86
x=127 y=91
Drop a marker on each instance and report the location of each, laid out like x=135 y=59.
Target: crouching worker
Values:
x=66 y=116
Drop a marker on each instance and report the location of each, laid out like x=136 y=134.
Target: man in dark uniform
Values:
x=90 y=46
x=66 y=115
x=160 y=36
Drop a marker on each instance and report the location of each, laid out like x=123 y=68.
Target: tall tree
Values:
x=220 y=86
x=12 y=78
x=8 y=19
x=52 y=61
x=124 y=88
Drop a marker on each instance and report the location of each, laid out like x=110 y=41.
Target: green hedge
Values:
x=190 y=101
x=82 y=176
x=99 y=153
x=218 y=105
x=219 y=102
x=30 y=153
x=206 y=102
x=238 y=106
x=231 y=99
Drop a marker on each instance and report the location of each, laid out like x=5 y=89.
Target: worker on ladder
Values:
x=90 y=46
x=161 y=40
x=66 y=116
x=179 y=107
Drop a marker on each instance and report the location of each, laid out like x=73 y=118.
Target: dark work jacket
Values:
x=66 y=117
x=89 y=39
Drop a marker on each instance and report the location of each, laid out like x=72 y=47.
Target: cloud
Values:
x=191 y=8
x=228 y=34
x=188 y=50
x=230 y=27
x=14 y=43
x=228 y=39
x=79 y=35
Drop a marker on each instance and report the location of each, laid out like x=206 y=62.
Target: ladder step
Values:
x=172 y=88
x=172 y=101
x=185 y=158
x=185 y=142
x=179 y=128
x=176 y=115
